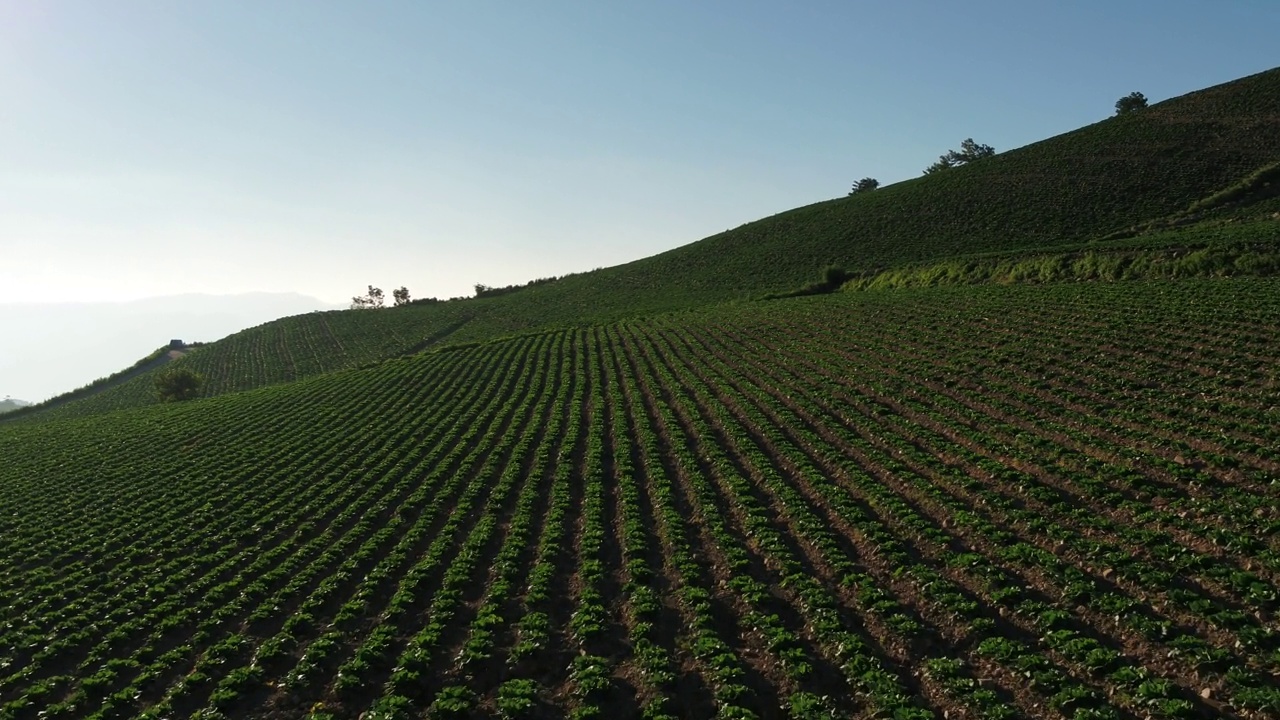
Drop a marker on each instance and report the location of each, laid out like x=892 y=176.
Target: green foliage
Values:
x=1228 y=250
x=1131 y=103
x=454 y=701
x=1260 y=184
x=969 y=151
x=178 y=384
x=517 y=698
x=808 y=706
x=372 y=300
x=833 y=277
x=866 y=184
x=487 y=291
x=945 y=162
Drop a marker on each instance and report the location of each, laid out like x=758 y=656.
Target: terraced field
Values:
x=1054 y=501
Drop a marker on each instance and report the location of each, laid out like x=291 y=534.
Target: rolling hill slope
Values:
x=1093 y=183
x=280 y=351
x=646 y=492
x=1083 y=185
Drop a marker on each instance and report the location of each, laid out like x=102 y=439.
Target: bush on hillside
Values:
x=969 y=151
x=179 y=384
x=1132 y=102
x=833 y=276
x=866 y=184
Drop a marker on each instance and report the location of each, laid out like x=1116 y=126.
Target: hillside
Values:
x=52 y=346
x=1025 y=465
x=280 y=351
x=1093 y=184
x=1084 y=185
x=1006 y=501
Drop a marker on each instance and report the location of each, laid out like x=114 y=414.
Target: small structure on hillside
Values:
x=176 y=344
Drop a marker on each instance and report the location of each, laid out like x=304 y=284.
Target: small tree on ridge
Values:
x=369 y=301
x=866 y=184
x=1132 y=102
x=969 y=152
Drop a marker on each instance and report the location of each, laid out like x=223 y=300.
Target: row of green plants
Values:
x=1252 y=590
x=1006 y=501
x=897 y=618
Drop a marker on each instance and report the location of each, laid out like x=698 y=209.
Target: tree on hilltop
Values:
x=1132 y=102
x=969 y=151
x=401 y=296
x=944 y=163
x=369 y=301
x=866 y=184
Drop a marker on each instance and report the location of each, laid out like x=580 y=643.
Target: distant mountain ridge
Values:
x=9 y=404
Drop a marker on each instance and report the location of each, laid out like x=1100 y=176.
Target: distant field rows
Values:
x=1001 y=502
x=283 y=351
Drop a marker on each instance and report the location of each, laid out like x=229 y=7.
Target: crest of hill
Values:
x=1102 y=180
x=1082 y=185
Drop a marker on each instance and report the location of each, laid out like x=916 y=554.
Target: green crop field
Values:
x=1026 y=465
x=277 y=352
x=1003 y=499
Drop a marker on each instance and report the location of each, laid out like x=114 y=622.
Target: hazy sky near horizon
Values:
x=152 y=148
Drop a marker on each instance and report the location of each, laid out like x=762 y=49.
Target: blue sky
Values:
x=150 y=148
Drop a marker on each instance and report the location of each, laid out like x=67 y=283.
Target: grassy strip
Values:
x=1085 y=265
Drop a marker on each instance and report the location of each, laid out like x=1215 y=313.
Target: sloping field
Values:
x=1110 y=178
x=281 y=351
x=1053 y=501
x=1085 y=184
